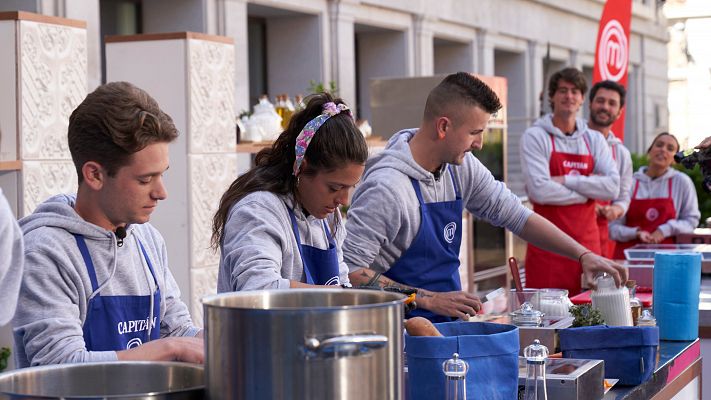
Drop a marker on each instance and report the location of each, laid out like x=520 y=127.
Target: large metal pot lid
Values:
x=305 y=299
x=134 y=380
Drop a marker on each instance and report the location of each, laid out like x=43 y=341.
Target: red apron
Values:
x=548 y=270
x=648 y=215
x=606 y=246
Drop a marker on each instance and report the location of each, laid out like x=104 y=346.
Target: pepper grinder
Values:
x=536 y=355
x=455 y=372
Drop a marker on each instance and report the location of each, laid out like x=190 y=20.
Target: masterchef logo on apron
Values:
x=135 y=342
x=652 y=214
x=449 y=231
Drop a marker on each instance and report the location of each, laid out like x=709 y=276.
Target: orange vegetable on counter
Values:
x=419 y=326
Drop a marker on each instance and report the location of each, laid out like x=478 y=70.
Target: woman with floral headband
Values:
x=279 y=226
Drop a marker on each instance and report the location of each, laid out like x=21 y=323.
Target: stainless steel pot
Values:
x=107 y=380
x=304 y=344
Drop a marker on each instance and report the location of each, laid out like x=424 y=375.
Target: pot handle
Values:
x=341 y=346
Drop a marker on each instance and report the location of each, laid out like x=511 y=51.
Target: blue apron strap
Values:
x=454 y=182
x=295 y=228
x=84 y=250
x=418 y=192
x=148 y=260
x=329 y=235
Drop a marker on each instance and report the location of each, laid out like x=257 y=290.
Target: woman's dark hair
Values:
x=336 y=143
x=664 y=134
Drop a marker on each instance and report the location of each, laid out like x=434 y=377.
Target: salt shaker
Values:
x=455 y=372
x=536 y=355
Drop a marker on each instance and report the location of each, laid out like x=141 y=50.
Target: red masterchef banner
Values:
x=612 y=52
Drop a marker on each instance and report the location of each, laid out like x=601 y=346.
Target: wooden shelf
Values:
x=15 y=165
x=255 y=147
x=252 y=147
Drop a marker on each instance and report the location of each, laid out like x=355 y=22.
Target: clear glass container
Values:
x=527 y=316
x=554 y=302
x=635 y=303
x=536 y=355
x=455 y=373
x=646 y=319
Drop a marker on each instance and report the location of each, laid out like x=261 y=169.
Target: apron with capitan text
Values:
x=320 y=266
x=432 y=260
x=115 y=323
x=548 y=270
x=648 y=215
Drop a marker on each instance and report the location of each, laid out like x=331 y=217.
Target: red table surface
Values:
x=643 y=294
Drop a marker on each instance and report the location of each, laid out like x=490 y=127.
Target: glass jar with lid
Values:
x=527 y=316
x=554 y=302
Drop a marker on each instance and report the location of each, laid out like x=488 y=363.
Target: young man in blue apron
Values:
x=97 y=285
x=405 y=220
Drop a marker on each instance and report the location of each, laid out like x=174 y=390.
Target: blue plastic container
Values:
x=677 y=279
x=629 y=352
x=490 y=349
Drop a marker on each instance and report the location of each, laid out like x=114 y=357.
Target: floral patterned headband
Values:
x=302 y=141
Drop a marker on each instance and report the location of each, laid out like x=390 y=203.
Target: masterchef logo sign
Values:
x=612 y=51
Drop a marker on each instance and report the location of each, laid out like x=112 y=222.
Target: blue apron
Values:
x=115 y=323
x=320 y=266
x=432 y=260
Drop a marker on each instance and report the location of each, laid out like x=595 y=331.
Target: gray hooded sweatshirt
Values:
x=259 y=249
x=683 y=194
x=536 y=148
x=384 y=216
x=11 y=261
x=56 y=287
x=623 y=160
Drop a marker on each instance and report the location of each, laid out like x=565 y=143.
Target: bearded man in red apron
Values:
x=607 y=98
x=566 y=167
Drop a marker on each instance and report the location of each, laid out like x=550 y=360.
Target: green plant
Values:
x=585 y=315
x=319 y=87
x=4 y=356
x=639 y=160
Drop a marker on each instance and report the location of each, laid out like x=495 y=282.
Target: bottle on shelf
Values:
x=536 y=355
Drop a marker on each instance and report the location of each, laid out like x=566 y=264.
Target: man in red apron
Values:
x=566 y=166
x=607 y=98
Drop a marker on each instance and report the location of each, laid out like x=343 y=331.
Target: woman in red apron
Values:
x=653 y=204
x=545 y=269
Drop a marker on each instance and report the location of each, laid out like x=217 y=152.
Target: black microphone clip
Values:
x=120 y=235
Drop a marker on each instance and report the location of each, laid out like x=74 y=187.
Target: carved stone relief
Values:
x=210 y=176
x=53 y=76
x=212 y=116
x=43 y=179
x=203 y=283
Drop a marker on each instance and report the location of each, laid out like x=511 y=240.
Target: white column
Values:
x=232 y=22
x=423 y=44
x=342 y=40
x=485 y=53
x=192 y=78
x=46 y=80
x=534 y=69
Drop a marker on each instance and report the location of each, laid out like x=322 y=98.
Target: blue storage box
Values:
x=490 y=349
x=629 y=352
